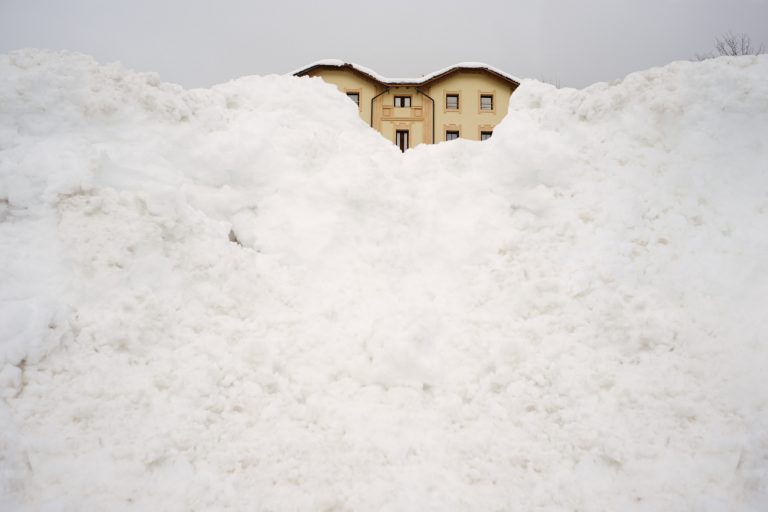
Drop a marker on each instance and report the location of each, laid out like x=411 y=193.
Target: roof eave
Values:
x=345 y=66
x=403 y=83
x=456 y=69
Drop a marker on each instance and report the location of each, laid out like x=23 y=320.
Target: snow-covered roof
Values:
x=405 y=81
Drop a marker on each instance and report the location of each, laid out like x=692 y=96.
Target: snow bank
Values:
x=568 y=316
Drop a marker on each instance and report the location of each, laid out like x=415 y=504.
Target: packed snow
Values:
x=243 y=298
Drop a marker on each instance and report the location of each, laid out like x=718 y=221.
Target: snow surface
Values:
x=570 y=316
x=395 y=81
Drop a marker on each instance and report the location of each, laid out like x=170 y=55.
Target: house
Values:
x=465 y=101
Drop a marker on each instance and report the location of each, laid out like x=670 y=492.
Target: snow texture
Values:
x=243 y=298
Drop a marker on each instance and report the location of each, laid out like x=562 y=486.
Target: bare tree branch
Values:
x=732 y=45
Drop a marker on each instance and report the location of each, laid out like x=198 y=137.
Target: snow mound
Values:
x=243 y=298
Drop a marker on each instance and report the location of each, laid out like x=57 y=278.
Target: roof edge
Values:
x=335 y=63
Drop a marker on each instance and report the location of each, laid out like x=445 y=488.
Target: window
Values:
x=401 y=139
x=485 y=135
x=402 y=101
x=451 y=135
x=486 y=102
x=354 y=96
x=452 y=102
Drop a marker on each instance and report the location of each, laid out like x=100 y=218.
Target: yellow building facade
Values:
x=462 y=101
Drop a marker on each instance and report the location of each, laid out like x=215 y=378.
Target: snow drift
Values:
x=243 y=298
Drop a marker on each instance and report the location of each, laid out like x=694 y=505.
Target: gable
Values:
x=478 y=78
x=369 y=74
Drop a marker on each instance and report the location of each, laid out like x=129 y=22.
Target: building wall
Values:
x=388 y=118
x=347 y=81
x=469 y=120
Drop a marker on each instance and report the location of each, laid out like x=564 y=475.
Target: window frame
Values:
x=350 y=92
x=489 y=134
x=452 y=132
x=402 y=97
x=458 y=101
x=407 y=140
x=493 y=102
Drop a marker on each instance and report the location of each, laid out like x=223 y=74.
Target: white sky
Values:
x=199 y=43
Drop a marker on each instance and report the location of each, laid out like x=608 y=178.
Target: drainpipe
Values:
x=433 y=112
x=373 y=99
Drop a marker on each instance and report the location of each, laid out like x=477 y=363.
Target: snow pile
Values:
x=242 y=298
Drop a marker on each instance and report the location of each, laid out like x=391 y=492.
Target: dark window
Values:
x=354 y=96
x=486 y=102
x=452 y=102
x=402 y=101
x=451 y=135
x=485 y=135
x=401 y=139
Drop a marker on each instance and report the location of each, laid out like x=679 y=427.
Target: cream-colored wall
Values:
x=469 y=120
x=388 y=118
x=347 y=81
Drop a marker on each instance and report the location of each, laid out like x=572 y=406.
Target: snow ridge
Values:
x=244 y=298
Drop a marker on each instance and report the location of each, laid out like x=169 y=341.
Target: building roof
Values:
x=335 y=63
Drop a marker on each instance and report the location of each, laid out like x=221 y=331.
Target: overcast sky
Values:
x=199 y=43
